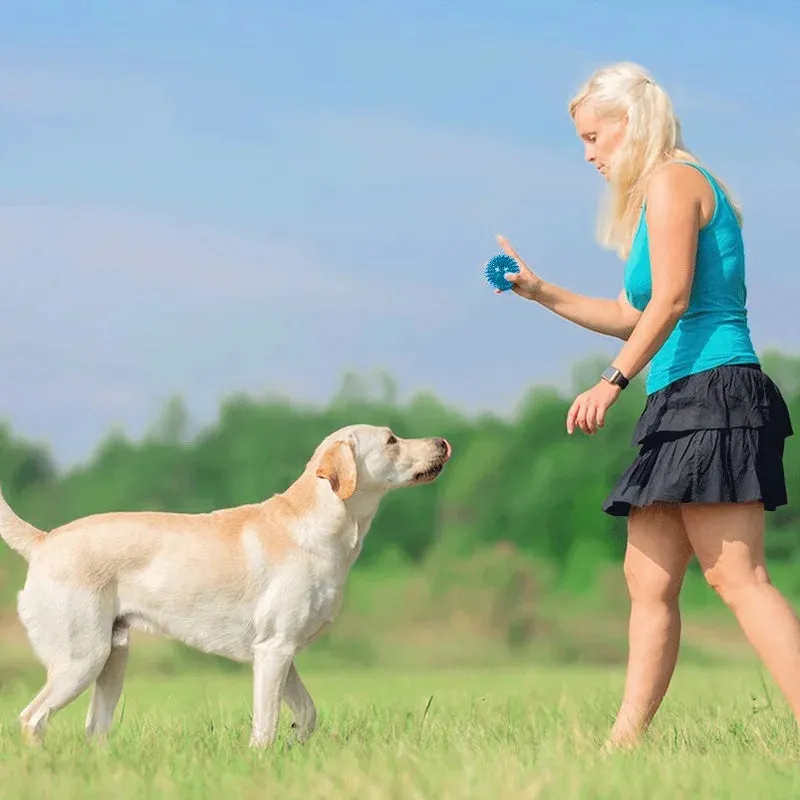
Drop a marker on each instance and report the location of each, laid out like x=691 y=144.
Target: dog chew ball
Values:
x=496 y=269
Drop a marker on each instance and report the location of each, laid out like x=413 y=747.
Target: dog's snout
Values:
x=445 y=447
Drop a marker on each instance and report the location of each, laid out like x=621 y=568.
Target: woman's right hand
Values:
x=525 y=283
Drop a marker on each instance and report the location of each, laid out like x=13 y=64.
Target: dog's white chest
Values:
x=300 y=608
x=324 y=604
x=326 y=599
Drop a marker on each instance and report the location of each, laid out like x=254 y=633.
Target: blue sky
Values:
x=205 y=198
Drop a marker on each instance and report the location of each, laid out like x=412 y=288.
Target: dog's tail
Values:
x=18 y=534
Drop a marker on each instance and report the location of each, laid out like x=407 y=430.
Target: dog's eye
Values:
x=392 y=439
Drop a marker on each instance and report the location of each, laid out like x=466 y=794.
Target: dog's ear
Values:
x=338 y=467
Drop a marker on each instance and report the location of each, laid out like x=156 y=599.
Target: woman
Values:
x=712 y=432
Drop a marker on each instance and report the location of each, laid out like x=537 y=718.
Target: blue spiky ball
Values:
x=496 y=269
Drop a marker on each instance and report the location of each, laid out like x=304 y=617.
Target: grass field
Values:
x=523 y=733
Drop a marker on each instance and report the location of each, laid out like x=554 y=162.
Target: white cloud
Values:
x=106 y=313
x=149 y=252
x=43 y=91
x=691 y=101
x=49 y=89
x=391 y=147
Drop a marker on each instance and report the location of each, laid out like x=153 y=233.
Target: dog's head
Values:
x=373 y=459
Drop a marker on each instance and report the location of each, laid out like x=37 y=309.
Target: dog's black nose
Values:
x=444 y=446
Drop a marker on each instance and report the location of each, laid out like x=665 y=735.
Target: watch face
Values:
x=615 y=377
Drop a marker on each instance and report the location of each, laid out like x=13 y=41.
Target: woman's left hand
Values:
x=588 y=411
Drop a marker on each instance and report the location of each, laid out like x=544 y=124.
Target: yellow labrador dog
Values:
x=253 y=583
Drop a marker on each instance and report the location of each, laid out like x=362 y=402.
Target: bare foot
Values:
x=616 y=742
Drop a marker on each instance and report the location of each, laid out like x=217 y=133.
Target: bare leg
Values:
x=656 y=559
x=300 y=703
x=729 y=541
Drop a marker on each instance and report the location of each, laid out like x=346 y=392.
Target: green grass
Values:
x=522 y=733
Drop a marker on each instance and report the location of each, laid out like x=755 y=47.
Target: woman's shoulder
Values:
x=676 y=184
x=683 y=177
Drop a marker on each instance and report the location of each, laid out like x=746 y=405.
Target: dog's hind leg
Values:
x=65 y=682
x=108 y=686
x=70 y=630
x=26 y=712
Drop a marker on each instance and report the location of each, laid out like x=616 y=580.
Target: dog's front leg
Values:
x=271 y=662
x=300 y=704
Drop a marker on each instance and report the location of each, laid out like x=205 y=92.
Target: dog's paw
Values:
x=260 y=742
x=302 y=733
x=31 y=737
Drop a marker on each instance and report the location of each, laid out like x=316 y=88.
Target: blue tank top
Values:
x=713 y=330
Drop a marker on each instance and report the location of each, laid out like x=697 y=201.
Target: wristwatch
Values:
x=613 y=376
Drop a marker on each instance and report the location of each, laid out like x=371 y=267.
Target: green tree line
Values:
x=520 y=479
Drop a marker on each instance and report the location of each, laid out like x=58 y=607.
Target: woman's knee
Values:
x=649 y=583
x=732 y=581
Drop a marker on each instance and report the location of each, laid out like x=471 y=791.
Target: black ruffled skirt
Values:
x=713 y=437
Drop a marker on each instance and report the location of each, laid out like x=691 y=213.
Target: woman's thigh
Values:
x=728 y=539
x=658 y=552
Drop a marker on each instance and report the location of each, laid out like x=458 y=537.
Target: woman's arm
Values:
x=674 y=210
x=674 y=216
x=609 y=317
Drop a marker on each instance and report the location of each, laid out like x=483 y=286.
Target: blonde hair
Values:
x=652 y=137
